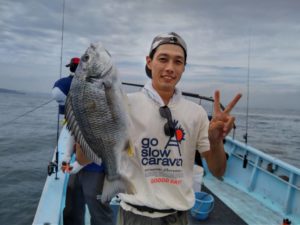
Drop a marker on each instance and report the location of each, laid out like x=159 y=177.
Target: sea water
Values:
x=27 y=145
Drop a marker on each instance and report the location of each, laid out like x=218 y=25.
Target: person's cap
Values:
x=169 y=38
x=74 y=60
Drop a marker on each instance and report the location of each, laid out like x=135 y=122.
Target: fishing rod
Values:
x=60 y=73
x=54 y=165
x=247 y=99
x=245 y=136
x=188 y=94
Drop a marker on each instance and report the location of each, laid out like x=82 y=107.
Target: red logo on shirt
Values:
x=177 y=138
x=179 y=132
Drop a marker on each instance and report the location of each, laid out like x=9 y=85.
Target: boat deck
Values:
x=221 y=214
x=241 y=204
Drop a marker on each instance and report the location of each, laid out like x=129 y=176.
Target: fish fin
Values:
x=129 y=148
x=74 y=128
x=112 y=188
x=107 y=84
x=130 y=189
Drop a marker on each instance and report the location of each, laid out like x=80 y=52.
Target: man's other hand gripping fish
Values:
x=96 y=116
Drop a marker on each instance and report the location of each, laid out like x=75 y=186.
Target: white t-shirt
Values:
x=161 y=168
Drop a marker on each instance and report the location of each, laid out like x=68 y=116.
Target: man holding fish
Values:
x=162 y=133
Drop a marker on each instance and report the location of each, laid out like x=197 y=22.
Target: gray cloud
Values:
x=217 y=33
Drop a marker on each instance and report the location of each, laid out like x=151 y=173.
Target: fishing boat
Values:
x=256 y=188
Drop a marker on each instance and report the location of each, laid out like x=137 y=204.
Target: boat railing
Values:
x=268 y=179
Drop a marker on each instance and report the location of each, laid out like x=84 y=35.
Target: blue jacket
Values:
x=63 y=85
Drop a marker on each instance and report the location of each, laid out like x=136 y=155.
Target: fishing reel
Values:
x=52 y=168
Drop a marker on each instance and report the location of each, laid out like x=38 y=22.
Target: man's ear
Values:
x=148 y=62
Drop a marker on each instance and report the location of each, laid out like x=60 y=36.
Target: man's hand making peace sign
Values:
x=221 y=122
x=220 y=125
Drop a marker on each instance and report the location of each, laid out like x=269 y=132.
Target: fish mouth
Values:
x=92 y=79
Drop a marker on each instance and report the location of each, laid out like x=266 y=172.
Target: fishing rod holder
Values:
x=52 y=168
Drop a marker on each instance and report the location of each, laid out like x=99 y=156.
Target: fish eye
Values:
x=85 y=58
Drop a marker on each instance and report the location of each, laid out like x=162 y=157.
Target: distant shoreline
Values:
x=3 y=90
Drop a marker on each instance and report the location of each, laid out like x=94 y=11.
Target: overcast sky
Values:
x=218 y=34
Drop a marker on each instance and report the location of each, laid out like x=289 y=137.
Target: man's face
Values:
x=166 y=67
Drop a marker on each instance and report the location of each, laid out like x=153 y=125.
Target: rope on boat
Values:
x=25 y=114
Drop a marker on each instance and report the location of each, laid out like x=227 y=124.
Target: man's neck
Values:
x=165 y=95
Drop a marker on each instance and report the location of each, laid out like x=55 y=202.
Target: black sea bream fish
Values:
x=96 y=116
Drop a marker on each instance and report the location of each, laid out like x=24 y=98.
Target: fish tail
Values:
x=112 y=188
